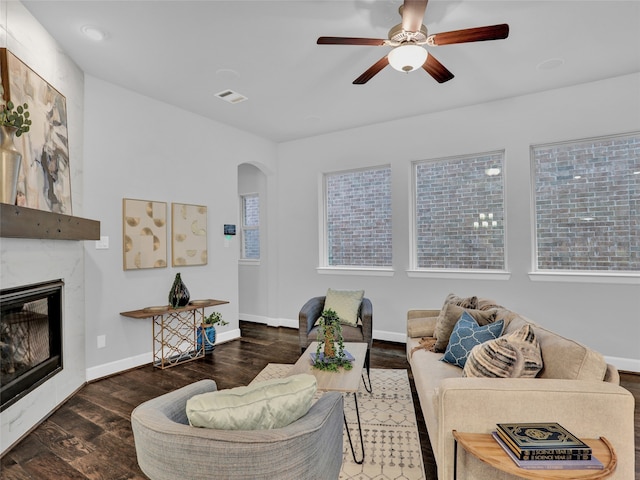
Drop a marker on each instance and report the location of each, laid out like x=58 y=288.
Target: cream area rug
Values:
x=389 y=429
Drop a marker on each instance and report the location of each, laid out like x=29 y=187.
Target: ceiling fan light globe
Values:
x=407 y=58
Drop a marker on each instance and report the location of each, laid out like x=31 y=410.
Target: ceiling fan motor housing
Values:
x=398 y=36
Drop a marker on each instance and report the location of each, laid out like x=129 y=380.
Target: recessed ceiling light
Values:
x=94 y=33
x=550 y=64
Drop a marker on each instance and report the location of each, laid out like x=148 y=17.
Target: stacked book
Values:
x=544 y=446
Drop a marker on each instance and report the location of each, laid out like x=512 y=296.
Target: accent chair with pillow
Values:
x=240 y=433
x=356 y=317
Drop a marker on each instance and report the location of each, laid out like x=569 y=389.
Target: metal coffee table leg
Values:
x=355 y=398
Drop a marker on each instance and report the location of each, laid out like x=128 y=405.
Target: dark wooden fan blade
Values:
x=372 y=71
x=413 y=14
x=438 y=71
x=478 y=34
x=373 y=42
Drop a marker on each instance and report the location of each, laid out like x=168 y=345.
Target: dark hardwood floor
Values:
x=89 y=436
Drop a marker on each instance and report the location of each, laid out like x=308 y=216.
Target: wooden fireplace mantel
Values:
x=23 y=222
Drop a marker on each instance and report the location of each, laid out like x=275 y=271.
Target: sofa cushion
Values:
x=515 y=355
x=562 y=358
x=421 y=326
x=264 y=405
x=466 y=335
x=346 y=303
x=449 y=316
x=464 y=302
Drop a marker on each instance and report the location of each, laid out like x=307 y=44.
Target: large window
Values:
x=250 y=241
x=587 y=204
x=459 y=213
x=358 y=218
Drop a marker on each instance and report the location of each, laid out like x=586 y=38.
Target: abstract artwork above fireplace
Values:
x=44 y=182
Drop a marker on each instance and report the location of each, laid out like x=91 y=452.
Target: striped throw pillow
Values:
x=516 y=355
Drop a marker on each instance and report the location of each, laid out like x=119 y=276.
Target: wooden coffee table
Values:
x=484 y=447
x=345 y=381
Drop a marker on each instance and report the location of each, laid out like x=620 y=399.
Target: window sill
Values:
x=461 y=274
x=367 y=271
x=586 y=277
x=247 y=262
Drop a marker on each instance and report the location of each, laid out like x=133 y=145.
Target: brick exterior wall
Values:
x=251 y=218
x=358 y=224
x=588 y=204
x=454 y=199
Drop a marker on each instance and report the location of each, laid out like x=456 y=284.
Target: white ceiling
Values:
x=183 y=52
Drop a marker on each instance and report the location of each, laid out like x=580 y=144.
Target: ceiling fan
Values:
x=408 y=38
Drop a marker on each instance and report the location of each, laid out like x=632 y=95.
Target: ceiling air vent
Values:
x=231 y=96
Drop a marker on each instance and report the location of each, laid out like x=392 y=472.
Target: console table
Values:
x=175 y=331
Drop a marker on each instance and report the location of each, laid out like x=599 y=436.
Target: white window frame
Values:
x=414 y=270
x=324 y=267
x=573 y=276
x=244 y=228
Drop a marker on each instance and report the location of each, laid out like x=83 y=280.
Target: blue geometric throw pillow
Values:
x=467 y=334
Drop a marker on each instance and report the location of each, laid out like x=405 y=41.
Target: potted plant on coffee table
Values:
x=209 y=327
x=328 y=357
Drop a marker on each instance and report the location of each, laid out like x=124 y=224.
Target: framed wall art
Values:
x=188 y=234
x=144 y=234
x=44 y=181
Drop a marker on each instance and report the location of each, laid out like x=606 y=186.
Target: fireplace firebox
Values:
x=30 y=338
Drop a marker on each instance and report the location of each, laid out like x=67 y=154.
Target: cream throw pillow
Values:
x=345 y=303
x=264 y=405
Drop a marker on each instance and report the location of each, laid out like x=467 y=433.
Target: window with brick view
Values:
x=250 y=227
x=587 y=204
x=358 y=218
x=459 y=213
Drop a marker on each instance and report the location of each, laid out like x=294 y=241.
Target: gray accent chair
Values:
x=312 y=310
x=168 y=448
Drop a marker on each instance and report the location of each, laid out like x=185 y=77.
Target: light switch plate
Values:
x=103 y=243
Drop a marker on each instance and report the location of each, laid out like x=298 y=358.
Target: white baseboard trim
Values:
x=106 y=369
x=390 y=336
x=626 y=364
x=285 y=322
x=111 y=368
x=271 y=322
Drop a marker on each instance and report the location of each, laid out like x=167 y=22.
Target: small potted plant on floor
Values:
x=209 y=327
x=329 y=334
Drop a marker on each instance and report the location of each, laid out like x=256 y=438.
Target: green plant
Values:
x=330 y=331
x=215 y=318
x=12 y=116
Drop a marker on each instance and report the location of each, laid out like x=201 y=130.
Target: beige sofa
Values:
x=575 y=388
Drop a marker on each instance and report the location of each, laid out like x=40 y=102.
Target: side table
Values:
x=175 y=331
x=484 y=447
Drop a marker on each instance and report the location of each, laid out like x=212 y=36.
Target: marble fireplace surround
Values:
x=34 y=256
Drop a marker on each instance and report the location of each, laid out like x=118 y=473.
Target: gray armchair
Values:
x=168 y=448
x=312 y=310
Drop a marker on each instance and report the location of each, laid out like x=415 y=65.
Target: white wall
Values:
x=29 y=261
x=602 y=315
x=140 y=148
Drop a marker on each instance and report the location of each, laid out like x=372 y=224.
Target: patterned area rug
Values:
x=391 y=441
